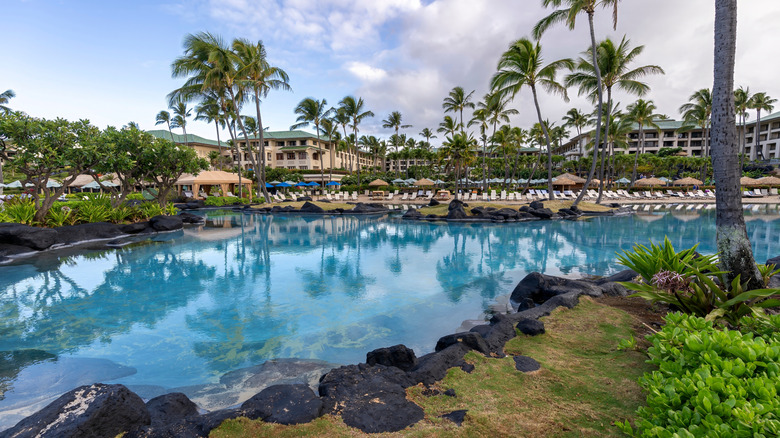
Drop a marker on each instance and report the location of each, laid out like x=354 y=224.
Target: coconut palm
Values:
x=642 y=112
x=257 y=77
x=495 y=109
x=209 y=111
x=456 y=102
x=164 y=117
x=760 y=101
x=312 y=111
x=5 y=97
x=355 y=109
x=568 y=15
x=179 y=120
x=428 y=134
x=341 y=118
x=522 y=65
x=697 y=112
x=394 y=121
x=330 y=129
x=448 y=126
x=458 y=151
x=734 y=250
x=742 y=98
x=616 y=72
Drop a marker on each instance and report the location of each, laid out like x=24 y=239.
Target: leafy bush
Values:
x=135 y=197
x=221 y=201
x=20 y=210
x=60 y=215
x=148 y=210
x=691 y=282
x=710 y=382
x=120 y=214
x=96 y=209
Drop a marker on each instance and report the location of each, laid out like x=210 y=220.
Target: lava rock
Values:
x=524 y=209
x=361 y=207
x=536 y=205
x=196 y=204
x=542 y=213
x=189 y=218
x=24 y=235
x=305 y=198
x=566 y=212
x=450 y=393
x=308 y=207
x=135 y=228
x=500 y=332
x=6 y=249
x=88 y=411
x=166 y=223
x=370 y=398
x=434 y=202
x=471 y=340
x=412 y=214
x=456 y=417
x=84 y=232
x=526 y=364
x=398 y=356
x=433 y=366
x=456 y=213
x=540 y=288
x=508 y=213
x=169 y=408
x=530 y=327
x=284 y=404
x=774 y=261
x=456 y=203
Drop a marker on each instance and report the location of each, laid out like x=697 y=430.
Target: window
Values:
x=265 y=143
x=668 y=134
x=302 y=155
x=269 y=156
x=315 y=156
x=280 y=157
x=291 y=167
x=696 y=143
x=304 y=167
x=291 y=156
x=668 y=144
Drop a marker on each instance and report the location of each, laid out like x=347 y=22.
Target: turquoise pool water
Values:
x=184 y=308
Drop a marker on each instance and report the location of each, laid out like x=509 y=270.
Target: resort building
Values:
x=690 y=140
x=284 y=149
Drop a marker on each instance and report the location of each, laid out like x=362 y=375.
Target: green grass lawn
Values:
x=584 y=386
x=441 y=209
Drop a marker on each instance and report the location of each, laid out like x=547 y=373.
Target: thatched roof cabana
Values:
x=687 y=182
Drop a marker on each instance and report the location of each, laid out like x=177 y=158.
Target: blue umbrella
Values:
x=313 y=184
x=284 y=184
x=333 y=183
x=268 y=186
x=302 y=183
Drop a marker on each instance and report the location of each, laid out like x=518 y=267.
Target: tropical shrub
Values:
x=94 y=210
x=711 y=382
x=221 y=201
x=148 y=210
x=20 y=210
x=135 y=197
x=120 y=214
x=693 y=283
x=60 y=215
x=171 y=210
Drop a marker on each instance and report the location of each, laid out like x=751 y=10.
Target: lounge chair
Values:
x=557 y=195
x=529 y=196
x=338 y=196
x=510 y=196
x=389 y=196
x=328 y=197
x=493 y=196
x=570 y=194
x=367 y=192
x=660 y=195
x=405 y=197
x=414 y=196
x=503 y=195
x=485 y=197
x=773 y=192
x=711 y=194
x=395 y=192
x=354 y=196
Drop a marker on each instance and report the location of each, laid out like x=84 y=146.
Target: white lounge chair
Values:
x=414 y=196
x=328 y=197
x=405 y=197
x=503 y=195
x=485 y=197
x=389 y=196
x=493 y=196
x=354 y=196
x=338 y=196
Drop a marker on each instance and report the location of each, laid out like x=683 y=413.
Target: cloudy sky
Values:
x=109 y=61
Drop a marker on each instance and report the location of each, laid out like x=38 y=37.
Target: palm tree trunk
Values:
x=246 y=138
x=322 y=166
x=705 y=155
x=332 y=160
x=604 y=148
x=170 y=131
x=736 y=254
x=546 y=139
x=533 y=173
x=219 y=144
x=237 y=151
x=759 y=152
x=597 y=72
x=260 y=173
x=639 y=146
x=357 y=156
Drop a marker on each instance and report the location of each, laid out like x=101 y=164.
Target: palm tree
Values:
x=5 y=97
x=456 y=102
x=760 y=101
x=614 y=69
x=448 y=126
x=642 y=112
x=355 y=109
x=568 y=15
x=330 y=129
x=311 y=111
x=340 y=117
x=179 y=120
x=522 y=65
x=735 y=252
x=257 y=75
x=209 y=111
x=496 y=110
x=428 y=134
x=164 y=117
x=697 y=112
x=394 y=121
x=742 y=98
x=458 y=150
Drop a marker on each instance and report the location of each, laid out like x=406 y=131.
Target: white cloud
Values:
x=366 y=72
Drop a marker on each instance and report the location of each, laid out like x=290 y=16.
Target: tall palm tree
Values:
x=697 y=112
x=522 y=65
x=742 y=98
x=179 y=120
x=312 y=111
x=735 y=252
x=355 y=109
x=448 y=126
x=456 y=102
x=760 y=101
x=395 y=121
x=457 y=151
x=5 y=97
x=330 y=129
x=428 y=134
x=164 y=117
x=642 y=112
x=257 y=76
x=341 y=118
x=209 y=111
x=496 y=110
x=568 y=15
x=614 y=67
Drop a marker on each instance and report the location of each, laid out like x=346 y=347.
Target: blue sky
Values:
x=109 y=61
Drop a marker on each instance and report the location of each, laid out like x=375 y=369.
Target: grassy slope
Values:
x=441 y=209
x=584 y=386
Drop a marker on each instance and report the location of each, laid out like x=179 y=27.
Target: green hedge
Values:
x=711 y=382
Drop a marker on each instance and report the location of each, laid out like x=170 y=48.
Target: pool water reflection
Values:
x=187 y=307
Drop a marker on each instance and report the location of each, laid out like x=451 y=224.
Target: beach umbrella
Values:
x=284 y=184
x=769 y=181
x=664 y=179
x=563 y=182
x=399 y=181
x=109 y=184
x=333 y=183
x=624 y=181
x=14 y=185
x=378 y=183
x=569 y=176
x=52 y=184
x=651 y=182
x=29 y=185
x=275 y=182
x=313 y=184
x=291 y=183
x=2 y=185
x=438 y=181
x=424 y=182
x=687 y=182
x=748 y=181
x=302 y=184
x=269 y=186
x=92 y=185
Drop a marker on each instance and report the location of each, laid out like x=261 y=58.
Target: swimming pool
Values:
x=187 y=307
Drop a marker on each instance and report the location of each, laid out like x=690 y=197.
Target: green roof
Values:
x=178 y=138
x=295 y=148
